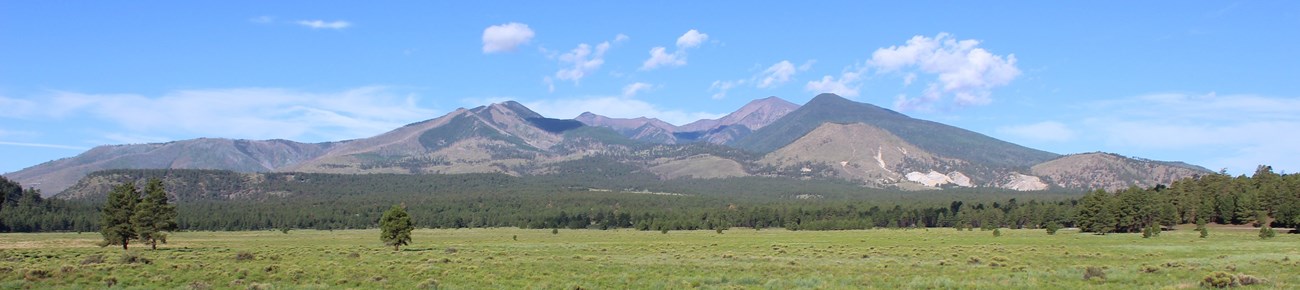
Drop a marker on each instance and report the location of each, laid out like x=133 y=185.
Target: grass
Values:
x=621 y=259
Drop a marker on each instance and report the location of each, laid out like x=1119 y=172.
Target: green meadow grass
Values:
x=507 y=258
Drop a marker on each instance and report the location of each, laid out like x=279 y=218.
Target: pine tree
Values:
x=153 y=215
x=396 y=227
x=116 y=224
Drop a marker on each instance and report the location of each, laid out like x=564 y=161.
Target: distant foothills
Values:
x=829 y=139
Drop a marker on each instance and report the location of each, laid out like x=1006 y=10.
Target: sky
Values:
x=1211 y=83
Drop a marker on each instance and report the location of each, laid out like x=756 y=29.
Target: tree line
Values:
x=573 y=198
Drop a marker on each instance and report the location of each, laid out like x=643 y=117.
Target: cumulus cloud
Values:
x=251 y=113
x=660 y=57
x=962 y=69
x=632 y=89
x=691 y=38
x=777 y=74
x=617 y=107
x=720 y=88
x=506 y=37
x=321 y=24
x=1046 y=131
x=847 y=85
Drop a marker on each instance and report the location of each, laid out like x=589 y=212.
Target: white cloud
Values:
x=1046 y=131
x=847 y=85
x=506 y=37
x=965 y=71
x=720 y=88
x=614 y=107
x=583 y=60
x=777 y=74
x=660 y=57
x=1236 y=132
x=251 y=113
x=807 y=65
x=321 y=24
x=690 y=39
x=632 y=89
x=621 y=38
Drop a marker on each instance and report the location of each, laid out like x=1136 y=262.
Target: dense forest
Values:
x=609 y=198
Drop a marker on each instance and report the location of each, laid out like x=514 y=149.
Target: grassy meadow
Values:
x=508 y=258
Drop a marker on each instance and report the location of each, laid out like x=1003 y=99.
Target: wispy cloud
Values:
x=632 y=89
x=321 y=24
x=1236 y=132
x=582 y=61
x=42 y=145
x=251 y=113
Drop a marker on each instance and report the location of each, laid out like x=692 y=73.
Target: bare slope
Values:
x=1111 y=172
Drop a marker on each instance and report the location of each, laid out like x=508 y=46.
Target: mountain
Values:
x=942 y=140
x=1112 y=171
x=203 y=153
x=829 y=138
x=485 y=139
x=754 y=115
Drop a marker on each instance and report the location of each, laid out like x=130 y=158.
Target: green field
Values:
x=506 y=258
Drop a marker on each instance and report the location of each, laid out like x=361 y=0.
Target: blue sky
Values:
x=1212 y=83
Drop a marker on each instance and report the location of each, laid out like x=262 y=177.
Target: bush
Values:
x=34 y=275
x=1052 y=227
x=1220 y=280
x=1246 y=280
x=997 y=232
x=133 y=257
x=1205 y=233
x=1094 y=272
x=93 y=259
x=244 y=256
x=1267 y=232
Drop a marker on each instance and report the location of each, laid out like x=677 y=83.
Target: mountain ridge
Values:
x=827 y=138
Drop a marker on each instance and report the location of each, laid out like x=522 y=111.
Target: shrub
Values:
x=92 y=259
x=1267 y=232
x=973 y=260
x=1246 y=280
x=1094 y=272
x=997 y=232
x=34 y=275
x=134 y=257
x=244 y=256
x=1052 y=227
x=1220 y=280
x=1205 y=233
x=555 y=231
x=1149 y=269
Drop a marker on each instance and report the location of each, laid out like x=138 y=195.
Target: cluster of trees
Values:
x=129 y=216
x=1263 y=199
x=24 y=210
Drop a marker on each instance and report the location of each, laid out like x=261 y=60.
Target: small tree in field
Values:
x=396 y=227
x=153 y=215
x=116 y=224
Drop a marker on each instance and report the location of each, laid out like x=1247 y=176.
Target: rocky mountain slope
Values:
x=828 y=138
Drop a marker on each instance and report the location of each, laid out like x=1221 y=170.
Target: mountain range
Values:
x=829 y=137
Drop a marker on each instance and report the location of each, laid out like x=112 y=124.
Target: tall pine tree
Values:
x=396 y=227
x=116 y=224
x=153 y=215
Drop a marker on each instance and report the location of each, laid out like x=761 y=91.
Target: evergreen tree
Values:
x=396 y=227
x=1096 y=213
x=116 y=224
x=153 y=215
